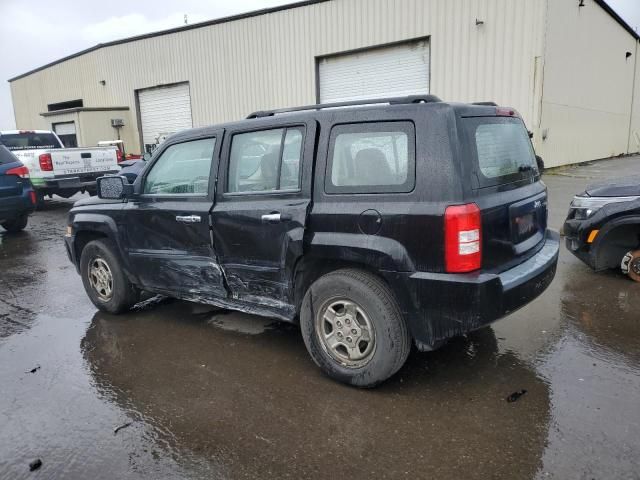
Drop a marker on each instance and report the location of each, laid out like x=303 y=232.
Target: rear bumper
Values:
x=15 y=207
x=447 y=305
x=83 y=182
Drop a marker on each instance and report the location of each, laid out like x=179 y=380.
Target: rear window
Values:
x=6 y=156
x=27 y=140
x=502 y=149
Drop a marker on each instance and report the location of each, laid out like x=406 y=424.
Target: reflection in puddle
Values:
x=594 y=375
x=258 y=407
x=604 y=311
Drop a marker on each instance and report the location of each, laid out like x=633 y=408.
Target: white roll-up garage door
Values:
x=381 y=72
x=163 y=111
x=65 y=128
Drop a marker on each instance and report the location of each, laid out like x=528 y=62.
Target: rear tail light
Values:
x=22 y=172
x=32 y=196
x=46 y=164
x=463 y=238
x=119 y=156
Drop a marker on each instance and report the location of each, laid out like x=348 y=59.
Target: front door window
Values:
x=183 y=169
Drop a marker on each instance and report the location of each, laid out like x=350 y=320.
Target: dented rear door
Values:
x=168 y=237
x=261 y=210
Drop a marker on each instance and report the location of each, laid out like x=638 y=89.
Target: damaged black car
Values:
x=376 y=226
x=603 y=226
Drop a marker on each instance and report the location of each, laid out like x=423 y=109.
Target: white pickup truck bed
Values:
x=57 y=170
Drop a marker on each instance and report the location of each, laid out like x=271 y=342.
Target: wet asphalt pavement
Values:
x=204 y=393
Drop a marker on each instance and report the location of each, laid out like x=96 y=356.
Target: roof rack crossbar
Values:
x=353 y=103
x=487 y=104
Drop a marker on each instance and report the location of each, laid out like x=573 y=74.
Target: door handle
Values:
x=276 y=217
x=188 y=218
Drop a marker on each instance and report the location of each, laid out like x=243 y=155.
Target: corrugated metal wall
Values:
x=270 y=60
x=588 y=85
x=634 y=127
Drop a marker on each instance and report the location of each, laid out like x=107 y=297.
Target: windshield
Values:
x=27 y=140
x=501 y=148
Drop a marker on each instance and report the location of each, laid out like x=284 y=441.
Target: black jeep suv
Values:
x=402 y=220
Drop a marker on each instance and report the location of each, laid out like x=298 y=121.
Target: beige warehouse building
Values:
x=570 y=67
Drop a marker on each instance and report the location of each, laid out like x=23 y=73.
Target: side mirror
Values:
x=540 y=163
x=113 y=187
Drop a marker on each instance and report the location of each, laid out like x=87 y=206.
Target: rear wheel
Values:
x=353 y=328
x=16 y=225
x=103 y=278
x=631 y=265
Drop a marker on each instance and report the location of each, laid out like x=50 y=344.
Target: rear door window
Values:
x=371 y=158
x=501 y=148
x=265 y=161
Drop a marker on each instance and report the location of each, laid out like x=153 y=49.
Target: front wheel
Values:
x=631 y=265
x=104 y=281
x=353 y=328
x=39 y=200
x=17 y=225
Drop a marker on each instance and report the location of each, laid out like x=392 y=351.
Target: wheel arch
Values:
x=82 y=238
x=614 y=240
x=310 y=268
x=91 y=226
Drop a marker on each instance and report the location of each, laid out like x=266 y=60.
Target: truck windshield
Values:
x=501 y=148
x=28 y=140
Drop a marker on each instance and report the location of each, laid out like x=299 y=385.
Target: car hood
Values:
x=622 y=187
x=94 y=201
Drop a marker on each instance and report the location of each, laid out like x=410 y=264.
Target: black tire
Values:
x=39 y=200
x=17 y=225
x=123 y=294
x=392 y=340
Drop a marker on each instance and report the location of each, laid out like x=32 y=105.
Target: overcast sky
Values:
x=36 y=32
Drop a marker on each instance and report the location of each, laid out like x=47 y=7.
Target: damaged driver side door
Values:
x=168 y=239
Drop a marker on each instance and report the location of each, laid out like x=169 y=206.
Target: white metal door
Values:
x=393 y=71
x=65 y=128
x=163 y=111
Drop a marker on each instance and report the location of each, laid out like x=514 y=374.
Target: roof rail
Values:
x=372 y=101
x=487 y=104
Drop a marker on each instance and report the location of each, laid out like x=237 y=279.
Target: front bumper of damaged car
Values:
x=585 y=235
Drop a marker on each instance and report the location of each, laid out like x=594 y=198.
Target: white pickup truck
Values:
x=57 y=170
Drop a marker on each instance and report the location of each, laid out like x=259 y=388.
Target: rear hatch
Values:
x=500 y=164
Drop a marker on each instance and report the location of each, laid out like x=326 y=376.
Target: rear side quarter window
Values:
x=6 y=156
x=371 y=158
